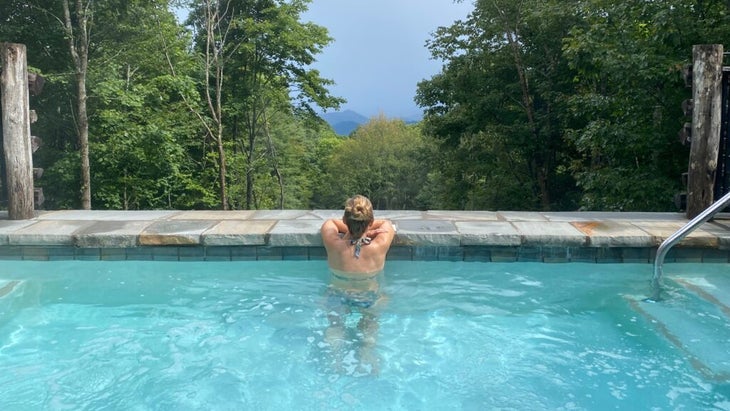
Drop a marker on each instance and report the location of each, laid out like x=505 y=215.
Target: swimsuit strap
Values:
x=359 y=243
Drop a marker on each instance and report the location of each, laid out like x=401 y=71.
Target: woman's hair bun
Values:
x=359 y=208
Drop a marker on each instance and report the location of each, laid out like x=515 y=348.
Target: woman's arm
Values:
x=331 y=230
x=376 y=224
x=329 y=233
x=341 y=226
x=380 y=227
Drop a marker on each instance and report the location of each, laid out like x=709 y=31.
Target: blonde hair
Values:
x=358 y=215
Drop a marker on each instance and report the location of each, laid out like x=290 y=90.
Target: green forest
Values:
x=540 y=105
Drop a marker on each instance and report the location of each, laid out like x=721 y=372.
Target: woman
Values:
x=357 y=244
x=356 y=249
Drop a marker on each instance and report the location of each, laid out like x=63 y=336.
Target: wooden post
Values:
x=16 y=130
x=706 y=116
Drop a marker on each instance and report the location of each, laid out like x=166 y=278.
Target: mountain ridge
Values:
x=346 y=121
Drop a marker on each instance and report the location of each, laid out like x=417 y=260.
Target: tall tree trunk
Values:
x=271 y=150
x=250 y=153
x=540 y=174
x=222 y=169
x=83 y=125
x=214 y=61
x=79 y=49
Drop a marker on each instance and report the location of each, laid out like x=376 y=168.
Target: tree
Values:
x=496 y=110
x=627 y=58
x=63 y=34
x=267 y=51
x=147 y=148
x=143 y=145
x=142 y=81
x=564 y=104
x=383 y=160
x=217 y=51
x=76 y=28
x=291 y=169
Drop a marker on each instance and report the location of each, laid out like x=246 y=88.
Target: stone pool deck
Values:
x=422 y=235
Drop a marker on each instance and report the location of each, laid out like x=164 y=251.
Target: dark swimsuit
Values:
x=357 y=299
x=352 y=296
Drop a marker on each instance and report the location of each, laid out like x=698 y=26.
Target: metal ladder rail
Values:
x=656 y=280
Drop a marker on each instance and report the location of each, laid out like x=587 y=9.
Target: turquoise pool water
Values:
x=256 y=335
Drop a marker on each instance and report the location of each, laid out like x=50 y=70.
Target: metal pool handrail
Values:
x=663 y=249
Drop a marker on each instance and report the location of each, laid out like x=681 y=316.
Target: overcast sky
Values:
x=379 y=54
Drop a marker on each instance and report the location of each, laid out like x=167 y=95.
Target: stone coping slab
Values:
x=175 y=232
x=300 y=228
x=46 y=232
x=494 y=233
x=614 y=233
x=238 y=232
x=291 y=233
x=427 y=233
x=110 y=234
x=553 y=233
x=105 y=215
x=661 y=230
x=214 y=215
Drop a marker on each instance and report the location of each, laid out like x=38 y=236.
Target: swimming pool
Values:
x=254 y=335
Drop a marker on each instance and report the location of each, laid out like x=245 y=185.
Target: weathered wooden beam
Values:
x=38 y=196
x=706 y=121
x=35 y=83
x=16 y=130
x=685 y=134
x=35 y=144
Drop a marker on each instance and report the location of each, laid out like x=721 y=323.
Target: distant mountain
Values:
x=345 y=128
x=344 y=122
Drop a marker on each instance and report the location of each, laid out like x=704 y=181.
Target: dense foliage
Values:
x=384 y=160
x=541 y=104
x=560 y=104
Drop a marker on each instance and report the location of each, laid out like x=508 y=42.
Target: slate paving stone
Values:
x=428 y=232
x=554 y=233
x=110 y=234
x=609 y=233
x=488 y=233
x=106 y=215
x=214 y=215
x=294 y=234
x=174 y=232
x=48 y=233
x=238 y=232
x=661 y=230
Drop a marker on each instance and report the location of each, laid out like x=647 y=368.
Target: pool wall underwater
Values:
x=491 y=236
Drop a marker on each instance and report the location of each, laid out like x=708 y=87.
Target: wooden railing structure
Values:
x=708 y=134
x=18 y=145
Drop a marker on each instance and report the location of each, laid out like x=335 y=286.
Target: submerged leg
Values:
x=336 y=335
x=368 y=327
